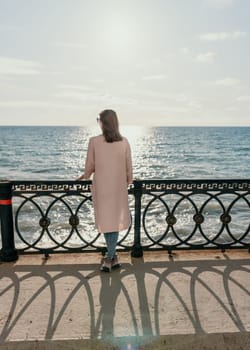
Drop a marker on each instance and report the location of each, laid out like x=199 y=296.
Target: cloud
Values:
x=185 y=50
x=78 y=92
x=74 y=87
x=8 y=28
x=81 y=93
x=187 y=101
x=231 y=109
x=73 y=95
x=219 y=4
x=34 y=104
x=245 y=98
x=207 y=57
x=218 y=36
x=18 y=67
x=86 y=94
x=71 y=45
x=228 y=82
x=195 y=105
x=154 y=77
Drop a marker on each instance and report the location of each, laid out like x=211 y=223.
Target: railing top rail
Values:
x=193 y=180
x=49 y=186
x=156 y=185
x=199 y=185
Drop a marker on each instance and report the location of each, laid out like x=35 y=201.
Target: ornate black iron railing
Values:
x=196 y=214
x=57 y=216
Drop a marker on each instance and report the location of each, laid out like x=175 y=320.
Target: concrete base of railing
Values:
x=215 y=341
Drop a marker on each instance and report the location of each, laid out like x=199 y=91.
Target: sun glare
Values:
x=118 y=35
x=133 y=133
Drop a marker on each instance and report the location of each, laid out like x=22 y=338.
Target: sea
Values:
x=59 y=152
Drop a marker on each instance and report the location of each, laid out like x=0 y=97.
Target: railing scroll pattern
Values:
x=64 y=220
x=196 y=214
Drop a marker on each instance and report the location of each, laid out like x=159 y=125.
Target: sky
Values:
x=156 y=62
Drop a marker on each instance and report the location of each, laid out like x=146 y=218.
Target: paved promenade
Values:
x=190 y=300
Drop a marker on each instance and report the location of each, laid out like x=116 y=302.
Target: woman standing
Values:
x=109 y=159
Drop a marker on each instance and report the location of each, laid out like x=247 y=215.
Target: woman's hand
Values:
x=80 y=178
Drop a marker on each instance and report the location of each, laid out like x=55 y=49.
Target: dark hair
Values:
x=110 y=125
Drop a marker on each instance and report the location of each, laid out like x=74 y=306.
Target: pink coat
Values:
x=112 y=167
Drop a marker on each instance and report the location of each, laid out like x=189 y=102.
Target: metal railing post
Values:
x=137 y=251
x=8 y=253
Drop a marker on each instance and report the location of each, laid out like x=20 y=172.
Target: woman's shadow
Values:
x=110 y=289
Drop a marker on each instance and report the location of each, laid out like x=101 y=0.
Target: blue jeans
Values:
x=111 y=239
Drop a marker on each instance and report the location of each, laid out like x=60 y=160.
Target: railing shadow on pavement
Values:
x=142 y=299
